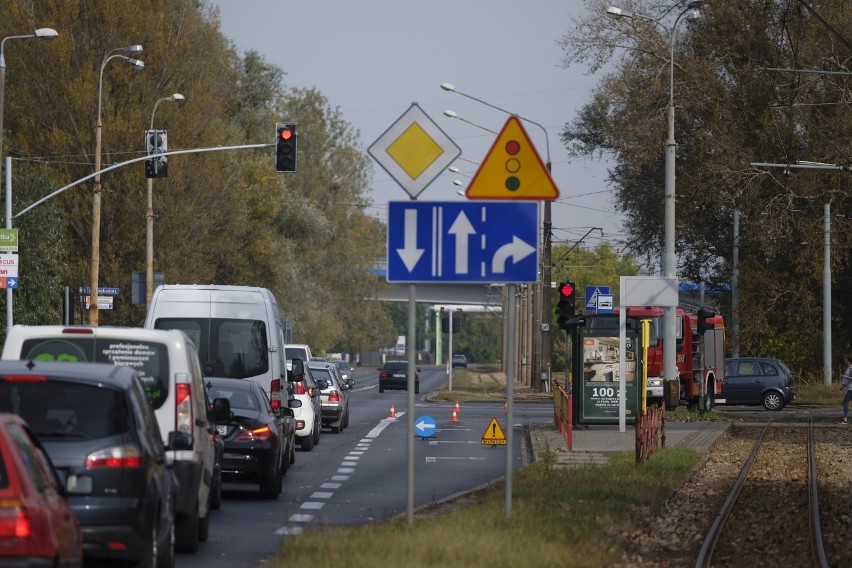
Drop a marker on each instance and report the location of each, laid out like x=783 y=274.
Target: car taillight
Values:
x=275 y=394
x=183 y=407
x=300 y=388
x=14 y=522
x=300 y=424
x=334 y=396
x=25 y=378
x=383 y=375
x=263 y=434
x=126 y=456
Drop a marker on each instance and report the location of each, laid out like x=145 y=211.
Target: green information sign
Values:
x=8 y=240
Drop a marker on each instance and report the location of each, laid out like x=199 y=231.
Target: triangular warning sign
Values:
x=494 y=435
x=512 y=169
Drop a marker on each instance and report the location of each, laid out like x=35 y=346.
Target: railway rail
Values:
x=789 y=506
x=740 y=531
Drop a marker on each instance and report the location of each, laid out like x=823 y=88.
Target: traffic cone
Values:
x=392 y=412
x=455 y=417
x=457 y=408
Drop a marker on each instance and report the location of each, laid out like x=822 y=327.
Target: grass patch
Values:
x=560 y=517
x=818 y=393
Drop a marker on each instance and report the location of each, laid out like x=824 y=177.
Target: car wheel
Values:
x=293 y=452
x=216 y=492
x=773 y=401
x=307 y=442
x=381 y=388
x=166 y=558
x=186 y=537
x=346 y=419
x=710 y=398
x=285 y=463
x=317 y=430
x=338 y=428
x=270 y=487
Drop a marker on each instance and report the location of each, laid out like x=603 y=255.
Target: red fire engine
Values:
x=700 y=357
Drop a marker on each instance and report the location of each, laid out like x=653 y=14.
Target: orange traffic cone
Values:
x=392 y=412
x=455 y=417
x=457 y=408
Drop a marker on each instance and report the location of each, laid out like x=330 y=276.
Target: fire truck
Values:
x=700 y=356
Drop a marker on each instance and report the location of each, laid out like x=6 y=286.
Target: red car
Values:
x=37 y=525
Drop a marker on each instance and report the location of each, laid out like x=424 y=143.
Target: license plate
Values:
x=399 y=375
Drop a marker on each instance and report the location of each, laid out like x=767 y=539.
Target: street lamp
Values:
x=669 y=261
x=453 y=114
x=96 y=200
x=149 y=214
x=546 y=240
x=45 y=33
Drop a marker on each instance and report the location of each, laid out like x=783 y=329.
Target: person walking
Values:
x=846 y=383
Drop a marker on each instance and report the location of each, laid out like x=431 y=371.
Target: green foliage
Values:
x=730 y=112
x=221 y=216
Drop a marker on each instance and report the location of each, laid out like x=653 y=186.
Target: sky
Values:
x=372 y=59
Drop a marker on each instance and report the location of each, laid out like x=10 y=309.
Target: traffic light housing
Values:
x=156 y=143
x=286 y=143
x=704 y=323
x=567 y=303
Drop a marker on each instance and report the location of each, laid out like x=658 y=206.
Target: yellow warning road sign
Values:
x=494 y=435
x=512 y=169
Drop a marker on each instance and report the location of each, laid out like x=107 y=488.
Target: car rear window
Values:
x=396 y=366
x=230 y=348
x=71 y=410
x=150 y=359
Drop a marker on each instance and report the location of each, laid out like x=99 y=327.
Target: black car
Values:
x=259 y=441
x=394 y=375
x=98 y=427
x=757 y=381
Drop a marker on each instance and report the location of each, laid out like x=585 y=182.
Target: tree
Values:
x=731 y=112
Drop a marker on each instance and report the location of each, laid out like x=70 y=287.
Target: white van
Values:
x=170 y=371
x=237 y=330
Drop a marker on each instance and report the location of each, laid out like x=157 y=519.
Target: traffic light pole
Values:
x=10 y=217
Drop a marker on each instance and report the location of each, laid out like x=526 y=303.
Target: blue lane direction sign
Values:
x=425 y=426
x=462 y=241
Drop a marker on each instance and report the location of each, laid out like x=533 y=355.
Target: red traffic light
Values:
x=567 y=289
x=285 y=133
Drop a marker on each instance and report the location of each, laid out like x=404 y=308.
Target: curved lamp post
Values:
x=44 y=33
x=149 y=213
x=96 y=200
x=669 y=259
x=544 y=366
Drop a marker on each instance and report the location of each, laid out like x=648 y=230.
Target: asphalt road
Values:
x=360 y=475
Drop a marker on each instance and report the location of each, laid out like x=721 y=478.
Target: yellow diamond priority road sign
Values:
x=414 y=150
x=512 y=169
x=493 y=435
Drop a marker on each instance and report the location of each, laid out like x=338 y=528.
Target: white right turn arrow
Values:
x=517 y=250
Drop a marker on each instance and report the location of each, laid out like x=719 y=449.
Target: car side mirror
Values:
x=179 y=441
x=297 y=371
x=294 y=403
x=286 y=411
x=221 y=410
x=350 y=383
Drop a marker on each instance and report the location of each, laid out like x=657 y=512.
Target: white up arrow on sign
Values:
x=462 y=229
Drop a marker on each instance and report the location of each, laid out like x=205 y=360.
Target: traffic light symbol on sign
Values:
x=156 y=143
x=567 y=303
x=512 y=169
x=285 y=147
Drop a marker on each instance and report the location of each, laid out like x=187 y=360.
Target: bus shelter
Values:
x=594 y=361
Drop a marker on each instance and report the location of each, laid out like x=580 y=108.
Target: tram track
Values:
x=775 y=514
x=792 y=487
